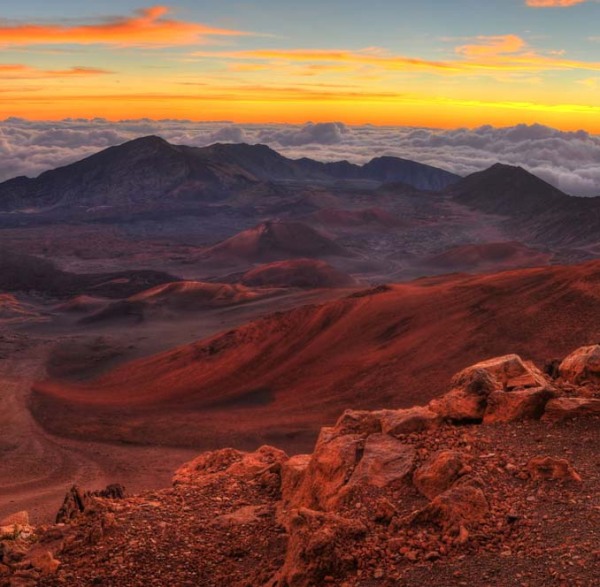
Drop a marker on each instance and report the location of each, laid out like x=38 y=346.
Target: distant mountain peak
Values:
x=506 y=189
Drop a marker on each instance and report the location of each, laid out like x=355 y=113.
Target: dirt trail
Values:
x=38 y=468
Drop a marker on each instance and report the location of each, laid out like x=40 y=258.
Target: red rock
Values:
x=292 y=474
x=439 y=473
x=385 y=460
x=230 y=462
x=511 y=406
x=582 y=366
x=319 y=549
x=329 y=469
x=473 y=386
x=550 y=468
x=564 y=408
x=458 y=406
x=358 y=422
x=416 y=419
x=460 y=506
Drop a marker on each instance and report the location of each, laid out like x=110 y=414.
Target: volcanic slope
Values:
x=279 y=378
x=274 y=240
x=488 y=257
x=305 y=273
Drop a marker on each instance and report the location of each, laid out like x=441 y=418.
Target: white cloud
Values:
x=569 y=160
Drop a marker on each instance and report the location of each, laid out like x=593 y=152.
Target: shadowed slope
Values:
x=308 y=273
x=388 y=347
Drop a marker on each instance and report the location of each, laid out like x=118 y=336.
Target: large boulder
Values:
x=469 y=399
x=582 y=366
x=344 y=463
x=440 y=472
x=564 y=408
x=524 y=404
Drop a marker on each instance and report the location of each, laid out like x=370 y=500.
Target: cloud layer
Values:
x=568 y=160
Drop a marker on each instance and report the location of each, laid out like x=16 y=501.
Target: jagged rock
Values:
x=292 y=474
x=385 y=460
x=77 y=501
x=358 y=422
x=231 y=462
x=318 y=549
x=458 y=507
x=440 y=472
x=582 y=366
x=510 y=406
x=329 y=469
x=416 y=419
x=563 y=408
x=473 y=386
x=74 y=504
x=550 y=468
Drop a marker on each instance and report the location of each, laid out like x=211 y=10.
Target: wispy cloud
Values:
x=146 y=27
x=553 y=3
x=11 y=71
x=484 y=55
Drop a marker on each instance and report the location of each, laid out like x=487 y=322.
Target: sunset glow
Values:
x=392 y=63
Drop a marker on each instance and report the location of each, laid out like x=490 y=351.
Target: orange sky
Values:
x=194 y=61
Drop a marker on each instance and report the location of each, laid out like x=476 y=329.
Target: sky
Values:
x=426 y=63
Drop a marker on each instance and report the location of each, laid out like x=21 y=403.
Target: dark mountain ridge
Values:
x=150 y=168
x=534 y=207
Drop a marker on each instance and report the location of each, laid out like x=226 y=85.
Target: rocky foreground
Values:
x=494 y=483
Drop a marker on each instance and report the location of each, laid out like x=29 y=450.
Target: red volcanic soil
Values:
x=169 y=298
x=308 y=273
x=279 y=378
x=488 y=256
x=275 y=240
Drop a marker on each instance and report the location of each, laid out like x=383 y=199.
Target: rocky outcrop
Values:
x=381 y=491
x=502 y=389
x=77 y=501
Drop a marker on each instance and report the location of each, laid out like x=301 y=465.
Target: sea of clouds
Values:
x=568 y=160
